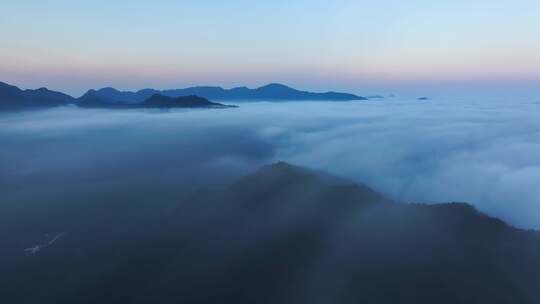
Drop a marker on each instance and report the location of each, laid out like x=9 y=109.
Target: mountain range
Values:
x=11 y=97
x=271 y=92
x=283 y=234
x=156 y=101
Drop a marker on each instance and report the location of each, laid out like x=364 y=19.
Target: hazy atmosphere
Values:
x=270 y=152
x=414 y=151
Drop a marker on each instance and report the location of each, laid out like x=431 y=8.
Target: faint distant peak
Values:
x=109 y=90
x=147 y=90
x=240 y=88
x=275 y=86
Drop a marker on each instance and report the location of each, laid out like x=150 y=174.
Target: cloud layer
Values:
x=482 y=152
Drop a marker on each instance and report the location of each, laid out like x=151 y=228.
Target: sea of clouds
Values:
x=482 y=151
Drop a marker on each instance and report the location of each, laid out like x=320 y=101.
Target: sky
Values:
x=366 y=47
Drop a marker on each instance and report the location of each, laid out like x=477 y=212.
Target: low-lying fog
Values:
x=485 y=152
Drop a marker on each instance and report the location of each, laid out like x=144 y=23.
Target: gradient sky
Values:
x=358 y=46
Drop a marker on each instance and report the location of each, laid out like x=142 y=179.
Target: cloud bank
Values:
x=479 y=151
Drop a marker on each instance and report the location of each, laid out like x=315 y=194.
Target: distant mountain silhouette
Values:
x=271 y=92
x=283 y=234
x=191 y=101
x=113 y=95
x=375 y=97
x=12 y=98
x=94 y=100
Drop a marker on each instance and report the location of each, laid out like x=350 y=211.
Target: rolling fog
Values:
x=480 y=151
